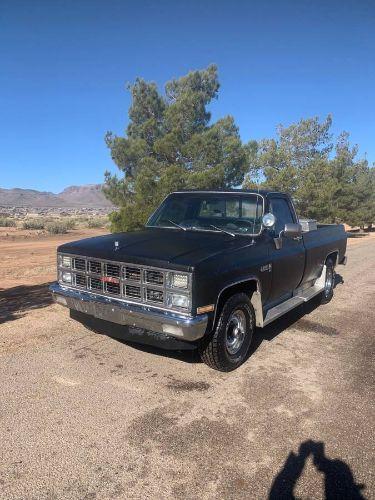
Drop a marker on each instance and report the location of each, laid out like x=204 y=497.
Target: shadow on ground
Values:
x=162 y=345
x=142 y=340
x=17 y=301
x=338 y=478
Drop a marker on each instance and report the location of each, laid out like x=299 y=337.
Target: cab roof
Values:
x=263 y=192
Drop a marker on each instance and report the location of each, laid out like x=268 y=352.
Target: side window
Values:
x=279 y=207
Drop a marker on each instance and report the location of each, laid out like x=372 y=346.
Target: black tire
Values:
x=227 y=346
x=327 y=294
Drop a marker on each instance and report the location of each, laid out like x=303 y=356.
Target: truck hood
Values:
x=170 y=248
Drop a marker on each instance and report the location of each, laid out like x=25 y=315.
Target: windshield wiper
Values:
x=175 y=224
x=223 y=230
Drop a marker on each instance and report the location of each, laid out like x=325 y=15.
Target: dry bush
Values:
x=70 y=223
x=34 y=224
x=6 y=222
x=97 y=223
x=57 y=227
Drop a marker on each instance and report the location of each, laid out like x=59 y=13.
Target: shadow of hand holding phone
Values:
x=338 y=478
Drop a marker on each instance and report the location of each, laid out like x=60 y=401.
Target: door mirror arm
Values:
x=291 y=230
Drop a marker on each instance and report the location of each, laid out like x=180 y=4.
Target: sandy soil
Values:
x=29 y=257
x=86 y=416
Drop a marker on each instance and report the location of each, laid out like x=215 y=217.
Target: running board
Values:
x=299 y=298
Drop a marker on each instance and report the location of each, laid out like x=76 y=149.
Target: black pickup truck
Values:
x=208 y=268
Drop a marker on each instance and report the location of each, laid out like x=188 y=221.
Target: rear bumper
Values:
x=181 y=327
x=344 y=261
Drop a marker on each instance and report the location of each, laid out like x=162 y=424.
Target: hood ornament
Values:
x=116 y=246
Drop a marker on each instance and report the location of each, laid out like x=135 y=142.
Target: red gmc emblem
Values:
x=109 y=279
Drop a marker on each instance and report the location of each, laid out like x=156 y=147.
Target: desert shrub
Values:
x=34 y=224
x=70 y=223
x=57 y=227
x=96 y=223
x=6 y=222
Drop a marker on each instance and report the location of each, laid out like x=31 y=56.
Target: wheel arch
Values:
x=334 y=256
x=250 y=286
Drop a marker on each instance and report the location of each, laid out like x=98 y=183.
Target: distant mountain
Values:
x=89 y=196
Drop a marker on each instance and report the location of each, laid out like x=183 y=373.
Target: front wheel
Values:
x=226 y=348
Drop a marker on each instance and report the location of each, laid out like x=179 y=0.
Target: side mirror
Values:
x=268 y=220
x=292 y=230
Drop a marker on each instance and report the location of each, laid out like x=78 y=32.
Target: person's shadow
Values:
x=338 y=478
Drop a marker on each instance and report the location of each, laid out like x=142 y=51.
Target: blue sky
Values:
x=64 y=65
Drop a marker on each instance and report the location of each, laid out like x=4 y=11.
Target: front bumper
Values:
x=137 y=315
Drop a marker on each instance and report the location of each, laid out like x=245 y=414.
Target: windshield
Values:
x=230 y=212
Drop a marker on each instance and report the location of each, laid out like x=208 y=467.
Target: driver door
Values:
x=288 y=262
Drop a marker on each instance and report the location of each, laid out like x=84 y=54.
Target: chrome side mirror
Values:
x=268 y=220
x=292 y=230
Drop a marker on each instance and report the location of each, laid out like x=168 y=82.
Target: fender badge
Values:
x=266 y=267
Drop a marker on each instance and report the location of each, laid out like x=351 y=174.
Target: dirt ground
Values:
x=83 y=415
x=29 y=257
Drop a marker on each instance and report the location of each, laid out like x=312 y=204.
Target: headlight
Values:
x=66 y=277
x=178 y=300
x=65 y=261
x=178 y=280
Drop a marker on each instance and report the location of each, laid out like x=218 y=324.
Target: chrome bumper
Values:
x=137 y=315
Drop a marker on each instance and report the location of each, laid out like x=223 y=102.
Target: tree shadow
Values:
x=339 y=481
x=17 y=301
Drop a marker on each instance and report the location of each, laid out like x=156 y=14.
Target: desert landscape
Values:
x=32 y=225
x=98 y=417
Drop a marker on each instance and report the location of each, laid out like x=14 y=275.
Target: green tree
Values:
x=326 y=180
x=281 y=162
x=170 y=144
x=355 y=197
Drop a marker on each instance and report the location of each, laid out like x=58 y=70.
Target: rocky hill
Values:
x=89 y=195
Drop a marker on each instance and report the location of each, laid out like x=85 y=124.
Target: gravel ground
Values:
x=83 y=415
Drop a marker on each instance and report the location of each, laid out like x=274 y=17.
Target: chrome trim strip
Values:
x=189 y=328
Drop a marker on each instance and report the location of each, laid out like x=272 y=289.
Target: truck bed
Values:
x=327 y=239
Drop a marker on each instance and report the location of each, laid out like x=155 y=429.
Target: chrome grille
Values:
x=79 y=264
x=95 y=284
x=80 y=280
x=112 y=270
x=132 y=273
x=112 y=288
x=134 y=283
x=95 y=267
x=154 y=277
x=132 y=292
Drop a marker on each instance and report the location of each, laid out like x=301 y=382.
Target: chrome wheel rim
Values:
x=329 y=281
x=235 y=331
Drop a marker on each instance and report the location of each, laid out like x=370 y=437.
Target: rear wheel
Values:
x=329 y=283
x=227 y=346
